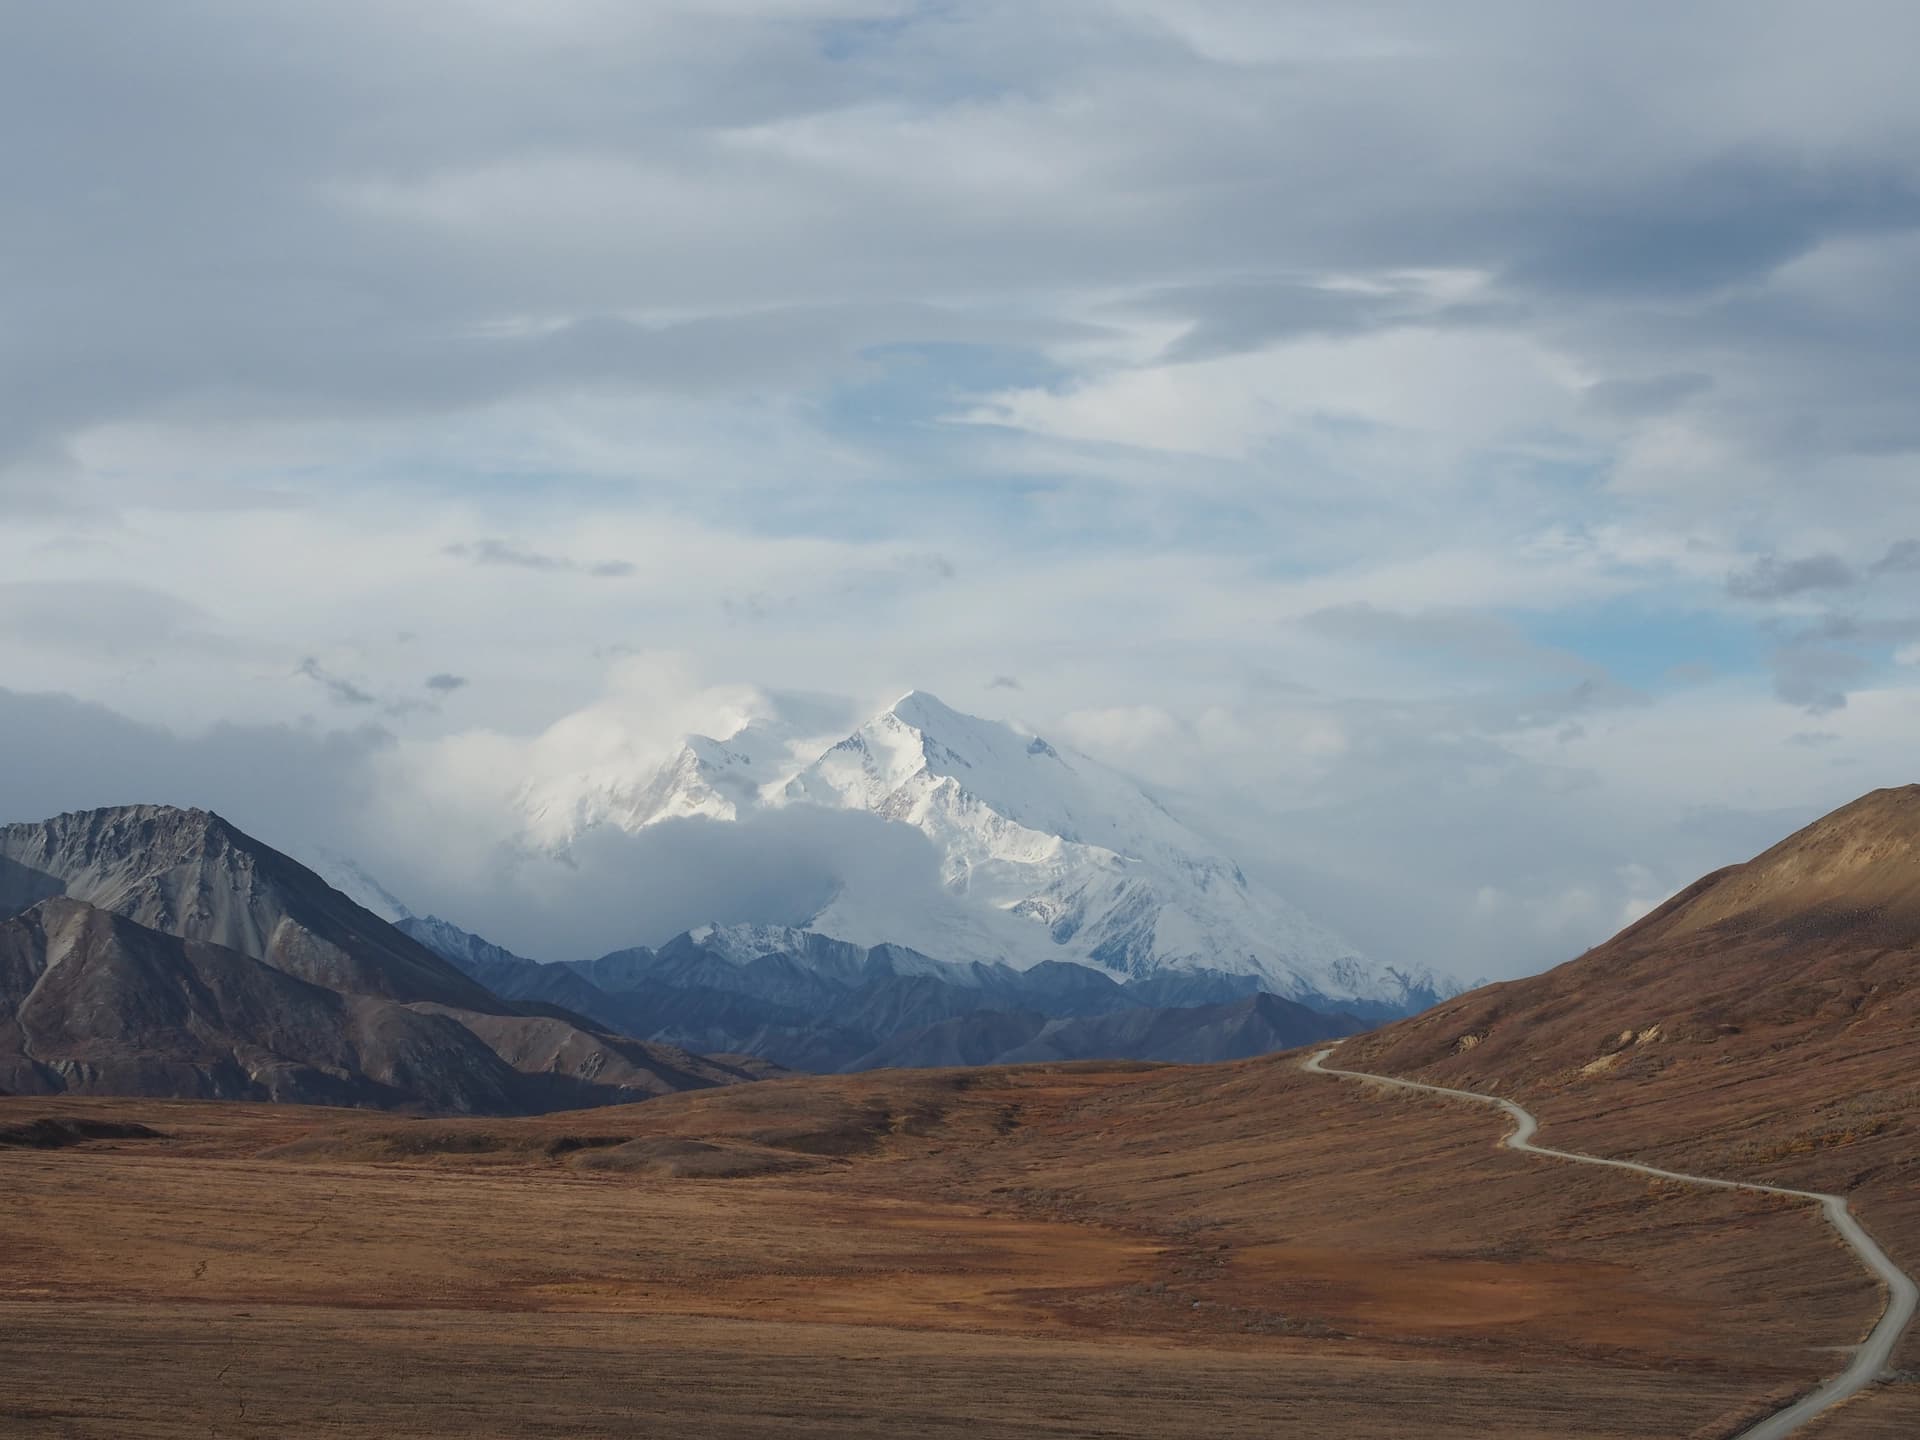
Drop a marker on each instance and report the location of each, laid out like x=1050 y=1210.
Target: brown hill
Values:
x=1764 y=1024
x=1808 y=953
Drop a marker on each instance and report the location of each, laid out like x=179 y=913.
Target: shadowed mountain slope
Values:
x=92 y=1003
x=158 y=951
x=825 y=1005
x=1195 y=1034
x=190 y=873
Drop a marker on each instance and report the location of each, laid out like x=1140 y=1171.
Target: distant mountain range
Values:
x=148 y=950
x=809 y=1002
x=155 y=951
x=1044 y=853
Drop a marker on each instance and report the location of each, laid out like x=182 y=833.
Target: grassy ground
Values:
x=1122 y=1251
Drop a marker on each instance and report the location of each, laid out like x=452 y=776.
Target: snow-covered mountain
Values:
x=1044 y=854
x=766 y=739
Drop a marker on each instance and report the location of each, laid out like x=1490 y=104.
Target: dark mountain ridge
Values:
x=826 y=1005
x=151 y=950
x=154 y=950
x=1192 y=1035
x=189 y=873
x=92 y=1002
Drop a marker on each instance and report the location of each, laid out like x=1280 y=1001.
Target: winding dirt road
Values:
x=1870 y=1359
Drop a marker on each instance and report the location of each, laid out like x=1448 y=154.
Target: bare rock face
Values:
x=191 y=874
x=93 y=1003
x=153 y=951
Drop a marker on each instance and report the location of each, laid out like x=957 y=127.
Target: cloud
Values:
x=1231 y=317
x=750 y=609
x=304 y=791
x=1369 y=409
x=499 y=552
x=1461 y=632
x=612 y=889
x=445 y=684
x=105 y=618
x=828 y=201
x=936 y=565
x=502 y=552
x=342 y=690
x=1653 y=395
x=1815 y=677
x=1003 y=682
x=1812 y=739
x=1903 y=556
x=1121 y=730
x=1770 y=578
x=284 y=783
x=1706 y=224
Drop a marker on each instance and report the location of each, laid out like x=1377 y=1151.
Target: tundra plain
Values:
x=1118 y=1250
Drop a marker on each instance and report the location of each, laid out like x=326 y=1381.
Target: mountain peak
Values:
x=922 y=707
x=1044 y=853
x=109 y=817
x=1048 y=854
x=192 y=874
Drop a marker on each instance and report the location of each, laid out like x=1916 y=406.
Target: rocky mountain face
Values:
x=155 y=951
x=808 y=1002
x=92 y=1002
x=1044 y=854
x=191 y=874
x=509 y=976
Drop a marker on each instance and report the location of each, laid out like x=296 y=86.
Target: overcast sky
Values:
x=1465 y=456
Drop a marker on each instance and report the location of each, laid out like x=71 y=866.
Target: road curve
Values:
x=1870 y=1360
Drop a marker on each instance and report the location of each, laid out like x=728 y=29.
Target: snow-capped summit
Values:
x=760 y=740
x=920 y=758
x=1044 y=853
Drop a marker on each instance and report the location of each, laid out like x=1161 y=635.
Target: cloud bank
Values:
x=1452 y=454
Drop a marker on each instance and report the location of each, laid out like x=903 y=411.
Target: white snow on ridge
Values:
x=720 y=779
x=346 y=876
x=1045 y=854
